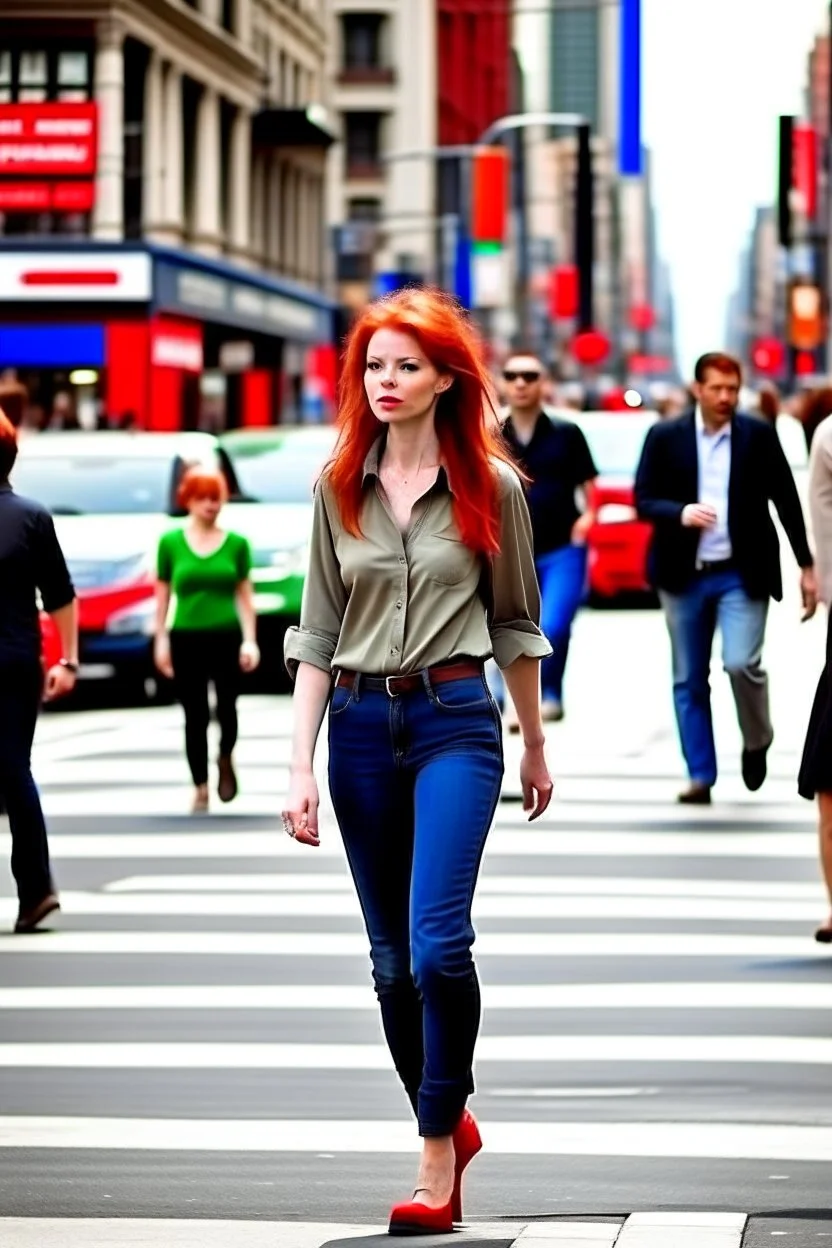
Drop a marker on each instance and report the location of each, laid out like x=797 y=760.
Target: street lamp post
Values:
x=584 y=209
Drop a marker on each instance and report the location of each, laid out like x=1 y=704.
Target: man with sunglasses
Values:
x=554 y=454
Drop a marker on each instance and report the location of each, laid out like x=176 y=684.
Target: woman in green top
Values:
x=212 y=636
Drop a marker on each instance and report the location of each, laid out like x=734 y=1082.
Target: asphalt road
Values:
x=197 y=1038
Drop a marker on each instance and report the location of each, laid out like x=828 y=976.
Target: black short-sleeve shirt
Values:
x=30 y=560
x=558 y=460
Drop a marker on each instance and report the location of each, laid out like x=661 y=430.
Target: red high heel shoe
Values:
x=467 y=1143
x=414 y=1218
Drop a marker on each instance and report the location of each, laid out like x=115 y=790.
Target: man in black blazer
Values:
x=705 y=481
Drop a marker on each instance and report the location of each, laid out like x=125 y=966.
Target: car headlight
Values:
x=616 y=513
x=139 y=617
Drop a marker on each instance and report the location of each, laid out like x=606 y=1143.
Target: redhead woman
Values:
x=212 y=635
x=421 y=568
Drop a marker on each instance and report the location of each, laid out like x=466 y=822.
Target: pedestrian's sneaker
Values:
x=30 y=917
x=551 y=711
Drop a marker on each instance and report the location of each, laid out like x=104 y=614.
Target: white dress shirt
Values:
x=713 y=453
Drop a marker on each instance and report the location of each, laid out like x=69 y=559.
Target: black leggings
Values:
x=21 y=685
x=200 y=656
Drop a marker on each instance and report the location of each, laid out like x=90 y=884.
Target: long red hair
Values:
x=466 y=419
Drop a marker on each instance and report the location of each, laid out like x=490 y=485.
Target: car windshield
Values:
x=95 y=485
x=284 y=473
x=615 y=442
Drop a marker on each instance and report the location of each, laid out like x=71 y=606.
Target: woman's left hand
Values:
x=59 y=682
x=535 y=781
x=249 y=656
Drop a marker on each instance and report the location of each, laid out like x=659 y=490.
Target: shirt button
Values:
x=402 y=559
x=398 y=606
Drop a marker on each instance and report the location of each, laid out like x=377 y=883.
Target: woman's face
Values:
x=400 y=381
x=205 y=508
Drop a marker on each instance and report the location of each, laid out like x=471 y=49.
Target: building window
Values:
x=34 y=75
x=575 y=56
x=362 y=43
x=363 y=142
x=73 y=75
x=362 y=40
x=364 y=209
x=5 y=77
x=229 y=15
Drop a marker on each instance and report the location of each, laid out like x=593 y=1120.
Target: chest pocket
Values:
x=448 y=561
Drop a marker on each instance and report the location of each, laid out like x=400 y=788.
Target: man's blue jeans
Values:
x=562 y=577
x=717 y=600
x=415 y=779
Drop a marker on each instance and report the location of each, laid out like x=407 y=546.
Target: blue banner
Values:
x=630 y=155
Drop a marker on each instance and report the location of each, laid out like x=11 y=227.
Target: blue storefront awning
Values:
x=51 y=346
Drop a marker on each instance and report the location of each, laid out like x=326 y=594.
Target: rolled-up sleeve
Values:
x=324 y=598
x=514 y=616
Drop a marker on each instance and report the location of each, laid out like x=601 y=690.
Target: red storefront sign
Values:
x=48 y=140
x=46 y=196
x=176 y=344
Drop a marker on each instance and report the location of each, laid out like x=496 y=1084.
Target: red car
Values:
x=50 y=641
x=618 y=540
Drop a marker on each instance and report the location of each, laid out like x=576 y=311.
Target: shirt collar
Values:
x=508 y=425
x=373 y=461
x=724 y=432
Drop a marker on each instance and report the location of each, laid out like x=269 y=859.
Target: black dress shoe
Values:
x=31 y=916
x=698 y=794
x=754 y=768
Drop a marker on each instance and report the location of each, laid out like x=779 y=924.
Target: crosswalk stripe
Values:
x=354 y=945
x=549 y=886
x=568 y=1235
x=202 y=1233
x=683 y=1230
x=542 y=843
x=507 y=906
x=511 y=1050
x=727 y=995
x=719 y=1140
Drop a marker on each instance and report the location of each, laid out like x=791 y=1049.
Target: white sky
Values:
x=716 y=74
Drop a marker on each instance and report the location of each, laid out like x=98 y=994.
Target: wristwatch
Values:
x=69 y=665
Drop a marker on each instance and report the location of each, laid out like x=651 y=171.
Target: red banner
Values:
x=489 y=195
x=46 y=196
x=805 y=169
x=58 y=140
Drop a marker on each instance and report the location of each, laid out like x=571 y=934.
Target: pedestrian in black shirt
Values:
x=555 y=456
x=30 y=562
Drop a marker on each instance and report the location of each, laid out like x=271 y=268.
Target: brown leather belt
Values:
x=394 y=685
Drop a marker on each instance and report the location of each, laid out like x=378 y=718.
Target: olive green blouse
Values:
x=386 y=602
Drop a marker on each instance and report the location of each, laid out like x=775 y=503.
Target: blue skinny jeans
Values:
x=415 y=779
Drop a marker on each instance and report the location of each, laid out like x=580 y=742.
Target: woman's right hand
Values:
x=300 y=810
x=161 y=656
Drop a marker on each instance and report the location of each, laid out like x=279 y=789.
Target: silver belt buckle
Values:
x=391 y=693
